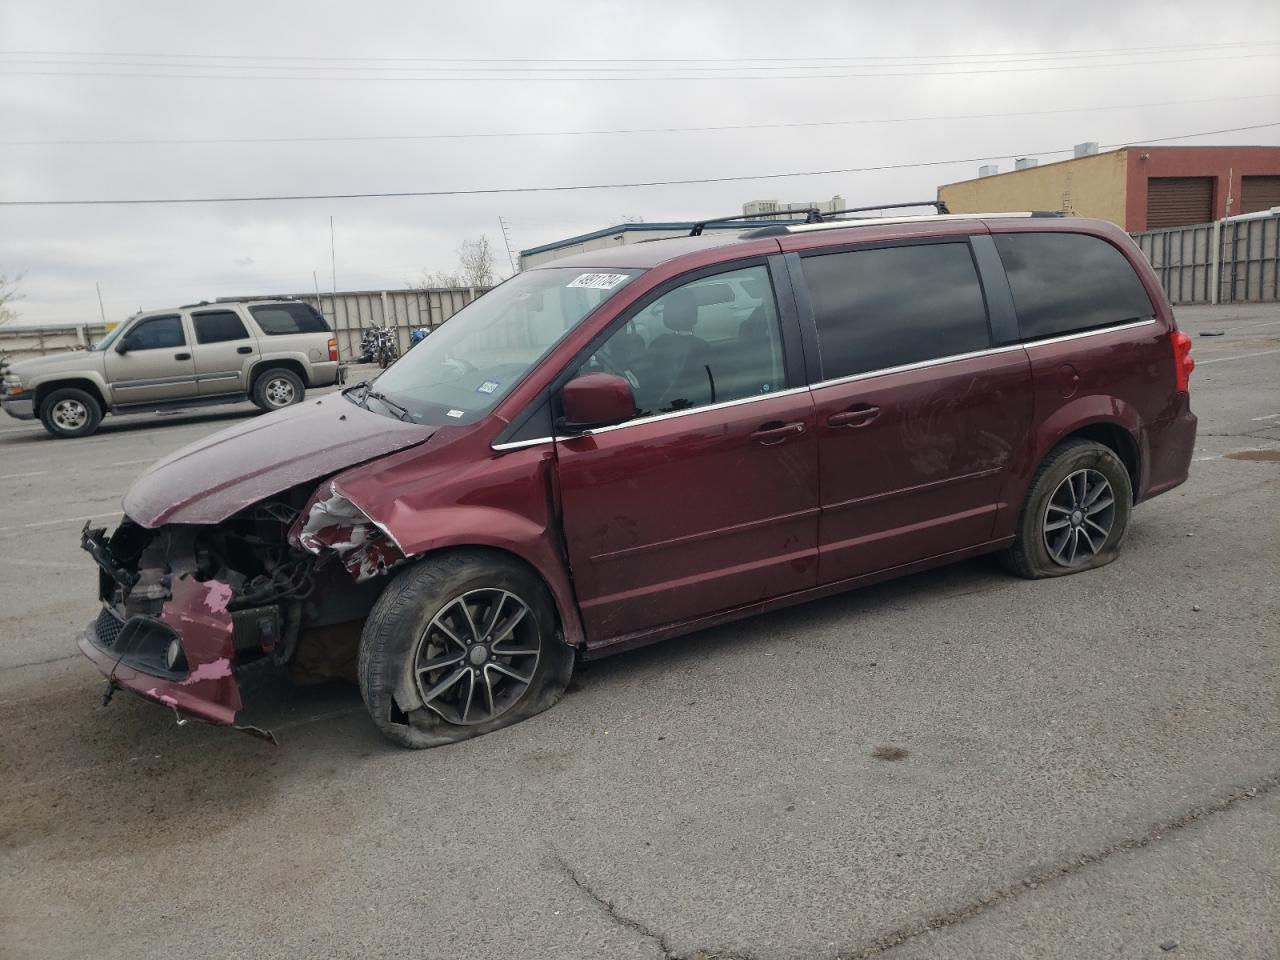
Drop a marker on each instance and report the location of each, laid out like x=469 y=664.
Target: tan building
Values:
x=1138 y=188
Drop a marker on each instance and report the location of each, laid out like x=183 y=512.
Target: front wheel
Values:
x=1076 y=513
x=70 y=413
x=460 y=645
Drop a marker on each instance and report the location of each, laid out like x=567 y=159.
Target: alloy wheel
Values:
x=280 y=392
x=1078 y=518
x=477 y=656
x=70 y=414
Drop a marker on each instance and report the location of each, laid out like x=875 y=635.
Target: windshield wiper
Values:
x=399 y=410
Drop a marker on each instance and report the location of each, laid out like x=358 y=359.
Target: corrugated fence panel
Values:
x=1248 y=266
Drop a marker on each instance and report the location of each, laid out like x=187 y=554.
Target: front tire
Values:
x=458 y=646
x=278 y=388
x=70 y=412
x=1076 y=512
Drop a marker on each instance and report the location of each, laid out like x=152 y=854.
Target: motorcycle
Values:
x=378 y=345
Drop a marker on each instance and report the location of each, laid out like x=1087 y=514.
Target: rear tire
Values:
x=460 y=645
x=1076 y=512
x=70 y=413
x=278 y=388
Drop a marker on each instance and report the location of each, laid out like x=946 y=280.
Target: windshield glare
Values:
x=464 y=368
x=109 y=338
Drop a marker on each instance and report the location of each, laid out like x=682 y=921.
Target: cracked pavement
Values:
x=1090 y=763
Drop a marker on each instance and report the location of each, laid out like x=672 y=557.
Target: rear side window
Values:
x=219 y=326
x=1069 y=282
x=277 y=319
x=895 y=305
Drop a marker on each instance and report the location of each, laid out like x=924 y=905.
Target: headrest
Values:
x=680 y=310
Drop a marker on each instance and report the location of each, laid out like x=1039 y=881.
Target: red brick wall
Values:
x=1216 y=162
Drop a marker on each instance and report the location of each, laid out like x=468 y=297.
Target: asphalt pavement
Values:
x=1086 y=767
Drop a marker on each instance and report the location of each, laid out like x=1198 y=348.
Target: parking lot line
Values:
x=1242 y=356
x=19 y=476
x=50 y=523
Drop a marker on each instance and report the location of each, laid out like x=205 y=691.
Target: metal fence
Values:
x=348 y=313
x=1228 y=261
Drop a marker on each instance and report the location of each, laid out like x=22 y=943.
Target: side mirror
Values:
x=122 y=347
x=596 y=400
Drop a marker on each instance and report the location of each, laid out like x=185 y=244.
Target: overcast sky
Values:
x=203 y=76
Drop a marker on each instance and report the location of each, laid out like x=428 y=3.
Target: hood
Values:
x=72 y=359
x=222 y=474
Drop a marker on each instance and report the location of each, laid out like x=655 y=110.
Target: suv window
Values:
x=895 y=305
x=708 y=341
x=156 y=333
x=278 y=319
x=1067 y=282
x=219 y=326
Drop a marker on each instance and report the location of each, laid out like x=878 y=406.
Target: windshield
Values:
x=110 y=337
x=463 y=369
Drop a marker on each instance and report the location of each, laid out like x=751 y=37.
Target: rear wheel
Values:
x=460 y=645
x=1076 y=513
x=278 y=388
x=70 y=413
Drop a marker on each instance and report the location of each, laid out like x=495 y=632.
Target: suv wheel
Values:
x=1076 y=512
x=278 y=388
x=70 y=413
x=460 y=645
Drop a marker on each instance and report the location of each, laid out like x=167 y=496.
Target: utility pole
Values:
x=506 y=238
x=333 y=257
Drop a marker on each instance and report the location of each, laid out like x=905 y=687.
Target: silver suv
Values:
x=267 y=351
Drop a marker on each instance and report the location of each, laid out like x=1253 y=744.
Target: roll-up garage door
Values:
x=1177 y=201
x=1259 y=193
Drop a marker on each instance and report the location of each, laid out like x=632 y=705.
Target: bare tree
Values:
x=475 y=257
x=8 y=295
x=475 y=268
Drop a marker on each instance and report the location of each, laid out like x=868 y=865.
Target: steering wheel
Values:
x=460 y=366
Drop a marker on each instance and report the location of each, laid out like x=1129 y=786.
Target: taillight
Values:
x=333 y=348
x=1183 y=362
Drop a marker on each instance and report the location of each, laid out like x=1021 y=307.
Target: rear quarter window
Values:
x=1069 y=282
x=278 y=319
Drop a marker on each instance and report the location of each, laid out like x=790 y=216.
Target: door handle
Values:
x=182 y=356
x=857 y=417
x=244 y=349
x=775 y=432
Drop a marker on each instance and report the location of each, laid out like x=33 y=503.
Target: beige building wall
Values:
x=1085 y=187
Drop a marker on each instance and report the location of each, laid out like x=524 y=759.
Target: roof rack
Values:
x=812 y=215
x=938 y=205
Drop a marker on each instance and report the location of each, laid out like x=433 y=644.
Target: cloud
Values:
x=158 y=256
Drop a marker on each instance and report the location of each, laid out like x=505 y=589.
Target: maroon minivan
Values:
x=643 y=441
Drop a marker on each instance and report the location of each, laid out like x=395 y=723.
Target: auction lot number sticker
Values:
x=598 y=281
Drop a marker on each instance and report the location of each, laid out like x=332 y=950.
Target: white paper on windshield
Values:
x=598 y=281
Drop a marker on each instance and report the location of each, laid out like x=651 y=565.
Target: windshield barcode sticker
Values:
x=598 y=281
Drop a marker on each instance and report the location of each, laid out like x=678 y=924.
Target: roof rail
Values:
x=939 y=205
x=812 y=215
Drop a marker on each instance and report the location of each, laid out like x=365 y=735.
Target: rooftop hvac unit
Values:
x=1087 y=149
x=1024 y=163
x=990 y=170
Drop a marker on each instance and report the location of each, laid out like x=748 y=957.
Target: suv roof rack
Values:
x=812 y=215
x=939 y=205
x=846 y=223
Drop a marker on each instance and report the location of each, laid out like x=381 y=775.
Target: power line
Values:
x=403 y=194
x=594 y=78
x=1098 y=51
x=372 y=64
x=637 y=130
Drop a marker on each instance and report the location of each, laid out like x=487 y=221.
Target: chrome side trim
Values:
x=519 y=444
x=923 y=364
x=724 y=405
x=158 y=382
x=1089 y=333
